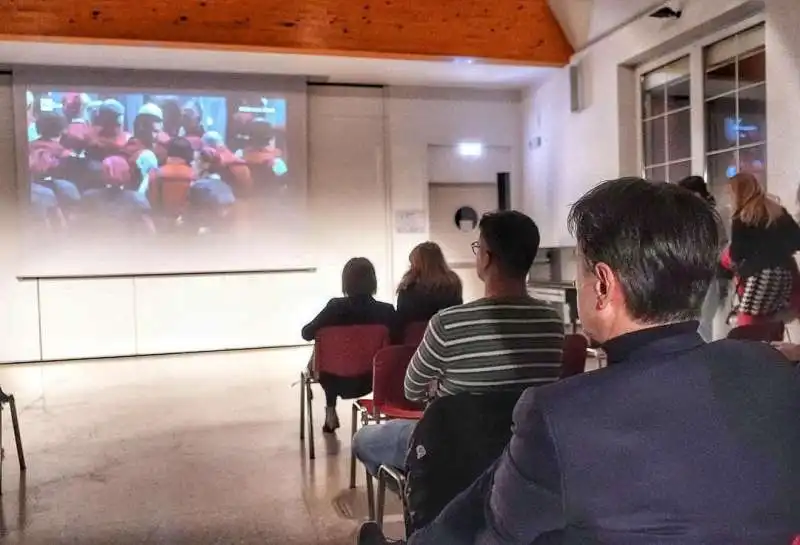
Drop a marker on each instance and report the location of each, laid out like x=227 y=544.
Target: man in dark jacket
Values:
x=676 y=441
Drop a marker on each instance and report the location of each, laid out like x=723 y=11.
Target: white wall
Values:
x=578 y=150
x=783 y=95
x=368 y=157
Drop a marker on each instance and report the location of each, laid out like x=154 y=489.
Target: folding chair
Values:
x=346 y=351
x=12 y=405
x=413 y=333
x=573 y=361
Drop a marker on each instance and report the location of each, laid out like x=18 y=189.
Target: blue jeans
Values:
x=383 y=444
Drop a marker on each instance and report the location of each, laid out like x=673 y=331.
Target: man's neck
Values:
x=505 y=289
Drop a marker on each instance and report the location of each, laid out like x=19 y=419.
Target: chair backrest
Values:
x=390 y=366
x=458 y=437
x=348 y=351
x=764 y=332
x=414 y=332
x=573 y=360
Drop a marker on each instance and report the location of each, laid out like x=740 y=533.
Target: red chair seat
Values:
x=389 y=411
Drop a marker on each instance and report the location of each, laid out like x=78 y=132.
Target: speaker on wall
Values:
x=575 y=101
x=504 y=190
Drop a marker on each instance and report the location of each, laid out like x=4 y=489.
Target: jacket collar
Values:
x=653 y=341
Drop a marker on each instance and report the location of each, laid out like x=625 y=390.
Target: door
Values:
x=455 y=209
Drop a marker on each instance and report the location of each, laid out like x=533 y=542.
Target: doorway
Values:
x=455 y=209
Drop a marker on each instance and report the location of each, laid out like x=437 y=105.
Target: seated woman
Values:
x=357 y=307
x=428 y=286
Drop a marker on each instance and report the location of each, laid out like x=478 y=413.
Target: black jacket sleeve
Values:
x=325 y=318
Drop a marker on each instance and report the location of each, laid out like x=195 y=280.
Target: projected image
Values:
x=156 y=163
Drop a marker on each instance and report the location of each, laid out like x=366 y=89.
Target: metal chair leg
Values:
x=311 y=452
x=370 y=495
x=302 y=406
x=381 y=499
x=17 y=435
x=353 y=429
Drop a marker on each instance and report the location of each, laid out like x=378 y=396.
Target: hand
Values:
x=790 y=350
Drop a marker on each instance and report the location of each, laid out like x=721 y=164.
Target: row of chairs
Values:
x=355 y=350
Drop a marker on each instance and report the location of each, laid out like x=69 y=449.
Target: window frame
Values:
x=697 y=72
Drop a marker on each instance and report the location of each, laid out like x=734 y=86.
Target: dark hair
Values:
x=260 y=132
x=358 y=277
x=181 y=148
x=512 y=239
x=661 y=242
x=697 y=185
x=50 y=124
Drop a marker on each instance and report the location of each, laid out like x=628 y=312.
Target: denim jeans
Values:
x=383 y=444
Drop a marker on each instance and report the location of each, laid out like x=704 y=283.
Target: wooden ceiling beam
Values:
x=515 y=31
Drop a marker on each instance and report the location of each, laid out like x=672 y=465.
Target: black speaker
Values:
x=504 y=190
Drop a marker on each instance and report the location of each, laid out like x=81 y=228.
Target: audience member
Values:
x=169 y=185
x=50 y=127
x=116 y=206
x=676 y=441
x=235 y=171
x=764 y=238
x=78 y=132
x=428 y=286
x=211 y=199
x=504 y=341
x=357 y=307
x=108 y=136
x=717 y=291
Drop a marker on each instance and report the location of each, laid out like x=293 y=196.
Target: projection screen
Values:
x=132 y=172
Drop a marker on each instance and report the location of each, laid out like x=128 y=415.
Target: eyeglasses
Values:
x=475 y=247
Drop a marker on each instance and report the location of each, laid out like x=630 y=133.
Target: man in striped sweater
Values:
x=504 y=341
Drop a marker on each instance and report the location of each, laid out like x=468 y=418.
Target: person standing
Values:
x=717 y=290
x=764 y=239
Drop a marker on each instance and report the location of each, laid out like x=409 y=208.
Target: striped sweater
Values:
x=486 y=345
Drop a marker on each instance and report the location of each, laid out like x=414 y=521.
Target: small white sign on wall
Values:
x=409 y=221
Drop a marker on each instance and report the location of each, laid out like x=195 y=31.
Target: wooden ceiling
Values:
x=517 y=31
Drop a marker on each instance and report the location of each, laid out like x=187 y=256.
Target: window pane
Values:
x=720 y=80
x=678 y=94
x=655 y=86
x=679 y=135
x=752 y=69
x=653 y=101
x=721 y=123
x=721 y=167
x=754 y=160
x=752 y=115
x=678 y=171
x=654 y=142
x=658 y=174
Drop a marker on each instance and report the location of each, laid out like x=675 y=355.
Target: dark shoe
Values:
x=370 y=534
x=331 y=420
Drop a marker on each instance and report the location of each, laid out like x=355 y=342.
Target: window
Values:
x=667 y=122
x=703 y=110
x=735 y=106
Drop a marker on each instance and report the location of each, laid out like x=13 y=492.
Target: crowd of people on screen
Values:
x=169 y=175
x=679 y=440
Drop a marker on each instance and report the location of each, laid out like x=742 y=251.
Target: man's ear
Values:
x=605 y=279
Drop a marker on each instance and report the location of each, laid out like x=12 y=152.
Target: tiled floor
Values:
x=196 y=449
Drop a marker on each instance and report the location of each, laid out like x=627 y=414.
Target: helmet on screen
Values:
x=152 y=110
